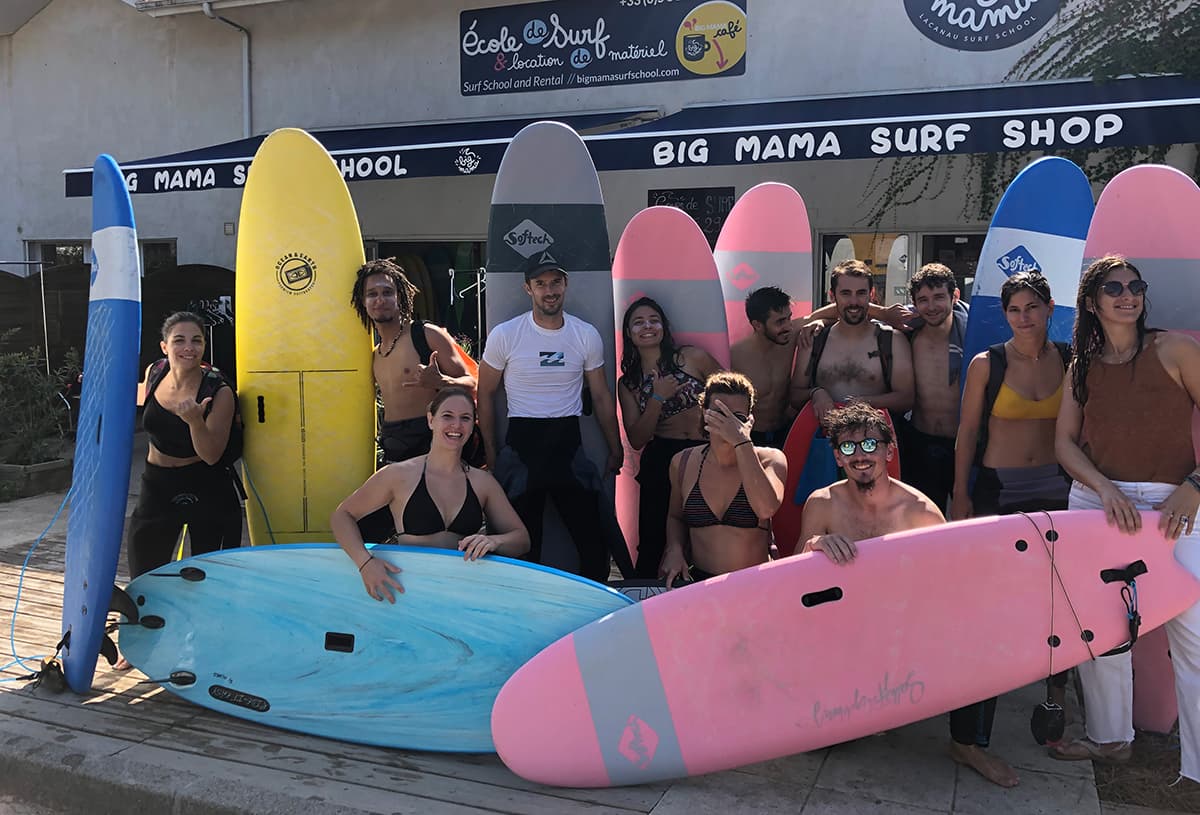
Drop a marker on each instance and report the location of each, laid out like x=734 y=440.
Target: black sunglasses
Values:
x=1113 y=288
x=867 y=445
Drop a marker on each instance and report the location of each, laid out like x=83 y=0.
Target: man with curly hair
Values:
x=408 y=376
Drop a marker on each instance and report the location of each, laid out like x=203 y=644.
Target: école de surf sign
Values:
x=571 y=44
x=980 y=25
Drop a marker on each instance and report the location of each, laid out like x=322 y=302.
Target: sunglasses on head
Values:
x=1113 y=288
x=867 y=445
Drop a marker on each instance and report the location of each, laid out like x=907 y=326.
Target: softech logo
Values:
x=527 y=238
x=1017 y=260
x=712 y=38
x=296 y=272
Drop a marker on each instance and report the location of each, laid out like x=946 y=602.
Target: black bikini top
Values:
x=422 y=517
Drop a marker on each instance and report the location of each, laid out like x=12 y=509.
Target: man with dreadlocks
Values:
x=413 y=361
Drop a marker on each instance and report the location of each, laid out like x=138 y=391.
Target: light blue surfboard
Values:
x=104 y=438
x=286 y=636
x=1041 y=223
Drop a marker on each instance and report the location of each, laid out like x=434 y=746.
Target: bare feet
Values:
x=981 y=761
x=122 y=665
x=1117 y=752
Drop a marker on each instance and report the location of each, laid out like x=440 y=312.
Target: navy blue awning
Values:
x=1052 y=116
x=369 y=153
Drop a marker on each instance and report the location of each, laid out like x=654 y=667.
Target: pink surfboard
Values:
x=698 y=679
x=1150 y=214
x=788 y=520
x=766 y=241
x=663 y=254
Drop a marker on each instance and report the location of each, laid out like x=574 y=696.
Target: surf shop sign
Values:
x=980 y=25
x=571 y=44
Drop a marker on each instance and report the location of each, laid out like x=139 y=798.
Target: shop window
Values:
x=886 y=253
x=960 y=252
x=59 y=253
x=158 y=256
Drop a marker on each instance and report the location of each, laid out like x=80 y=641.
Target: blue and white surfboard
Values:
x=1041 y=223
x=104 y=438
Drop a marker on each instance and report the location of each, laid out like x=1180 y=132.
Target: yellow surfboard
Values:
x=303 y=358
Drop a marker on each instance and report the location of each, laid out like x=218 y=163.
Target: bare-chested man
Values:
x=765 y=358
x=408 y=377
x=867 y=504
x=937 y=343
x=854 y=357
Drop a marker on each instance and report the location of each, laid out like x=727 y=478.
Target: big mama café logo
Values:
x=712 y=38
x=980 y=25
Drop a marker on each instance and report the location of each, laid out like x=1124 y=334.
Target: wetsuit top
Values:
x=168 y=433
x=422 y=517
x=1011 y=405
x=687 y=397
x=697 y=513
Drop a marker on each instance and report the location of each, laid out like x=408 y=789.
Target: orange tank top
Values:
x=1137 y=423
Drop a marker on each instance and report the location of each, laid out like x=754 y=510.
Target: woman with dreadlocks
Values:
x=659 y=393
x=1125 y=435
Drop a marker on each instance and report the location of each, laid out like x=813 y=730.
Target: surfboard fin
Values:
x=123 y=604
x=108 y=650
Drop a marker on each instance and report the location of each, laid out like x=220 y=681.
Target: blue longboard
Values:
x=286 y=636
x=104 y=439
x=1041 y=223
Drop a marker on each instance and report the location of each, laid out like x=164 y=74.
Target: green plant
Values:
x=34 y=414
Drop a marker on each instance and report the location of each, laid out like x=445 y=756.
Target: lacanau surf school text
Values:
x=791 y=144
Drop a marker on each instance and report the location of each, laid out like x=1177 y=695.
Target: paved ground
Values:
x=135 y=747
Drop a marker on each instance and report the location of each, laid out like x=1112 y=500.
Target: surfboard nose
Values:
x=543 y=729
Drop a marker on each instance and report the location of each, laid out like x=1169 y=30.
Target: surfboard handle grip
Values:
x=262 y=410
x=1128 y=576
x=181 y=678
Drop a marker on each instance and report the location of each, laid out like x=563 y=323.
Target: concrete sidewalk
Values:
x=130 y=746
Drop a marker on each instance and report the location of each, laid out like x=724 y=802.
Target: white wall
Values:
x=90 y=76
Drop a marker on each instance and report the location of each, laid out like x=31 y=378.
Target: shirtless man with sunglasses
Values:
x=868 y=502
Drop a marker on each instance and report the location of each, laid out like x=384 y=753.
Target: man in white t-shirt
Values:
x=544 y=356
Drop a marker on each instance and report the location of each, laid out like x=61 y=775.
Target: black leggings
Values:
x=199 y=495
x=1006 y=492
x=654 y=477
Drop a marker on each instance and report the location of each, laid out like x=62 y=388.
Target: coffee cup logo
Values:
x=695 y=46
x=711 y=38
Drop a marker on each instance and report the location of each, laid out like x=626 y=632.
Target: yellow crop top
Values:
x=1011 y=405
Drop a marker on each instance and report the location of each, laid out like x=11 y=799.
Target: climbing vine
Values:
x=1101 y=39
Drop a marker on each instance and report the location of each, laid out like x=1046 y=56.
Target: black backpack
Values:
x=997 y=367
x=473 y=451
x=212 y=382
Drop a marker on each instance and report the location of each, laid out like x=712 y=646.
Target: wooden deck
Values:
x=141 y=722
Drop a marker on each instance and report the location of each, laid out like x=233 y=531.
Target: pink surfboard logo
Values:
x=638 y=742
x=743 y=276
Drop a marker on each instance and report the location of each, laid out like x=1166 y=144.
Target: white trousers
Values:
x=1108 y=681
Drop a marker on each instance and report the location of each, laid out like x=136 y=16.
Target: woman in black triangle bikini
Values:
x=724 y=494
x=418 y=489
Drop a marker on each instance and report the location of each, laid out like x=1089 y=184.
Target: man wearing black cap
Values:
x=544 y=357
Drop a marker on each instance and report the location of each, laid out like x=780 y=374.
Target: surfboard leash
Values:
x=258 y=498
x=1049 y=721
x=12 y=629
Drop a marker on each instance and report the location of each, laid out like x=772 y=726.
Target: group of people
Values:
x=1102 y=423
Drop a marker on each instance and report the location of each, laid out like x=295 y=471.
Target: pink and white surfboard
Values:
x=700 y=679
x=663 y=254
x=766 y=241
x=1151 y=215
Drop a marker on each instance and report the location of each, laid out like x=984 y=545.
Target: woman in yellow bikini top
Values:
x=1018 y=470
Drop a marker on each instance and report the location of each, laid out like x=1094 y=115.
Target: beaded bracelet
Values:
x=365 y=562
